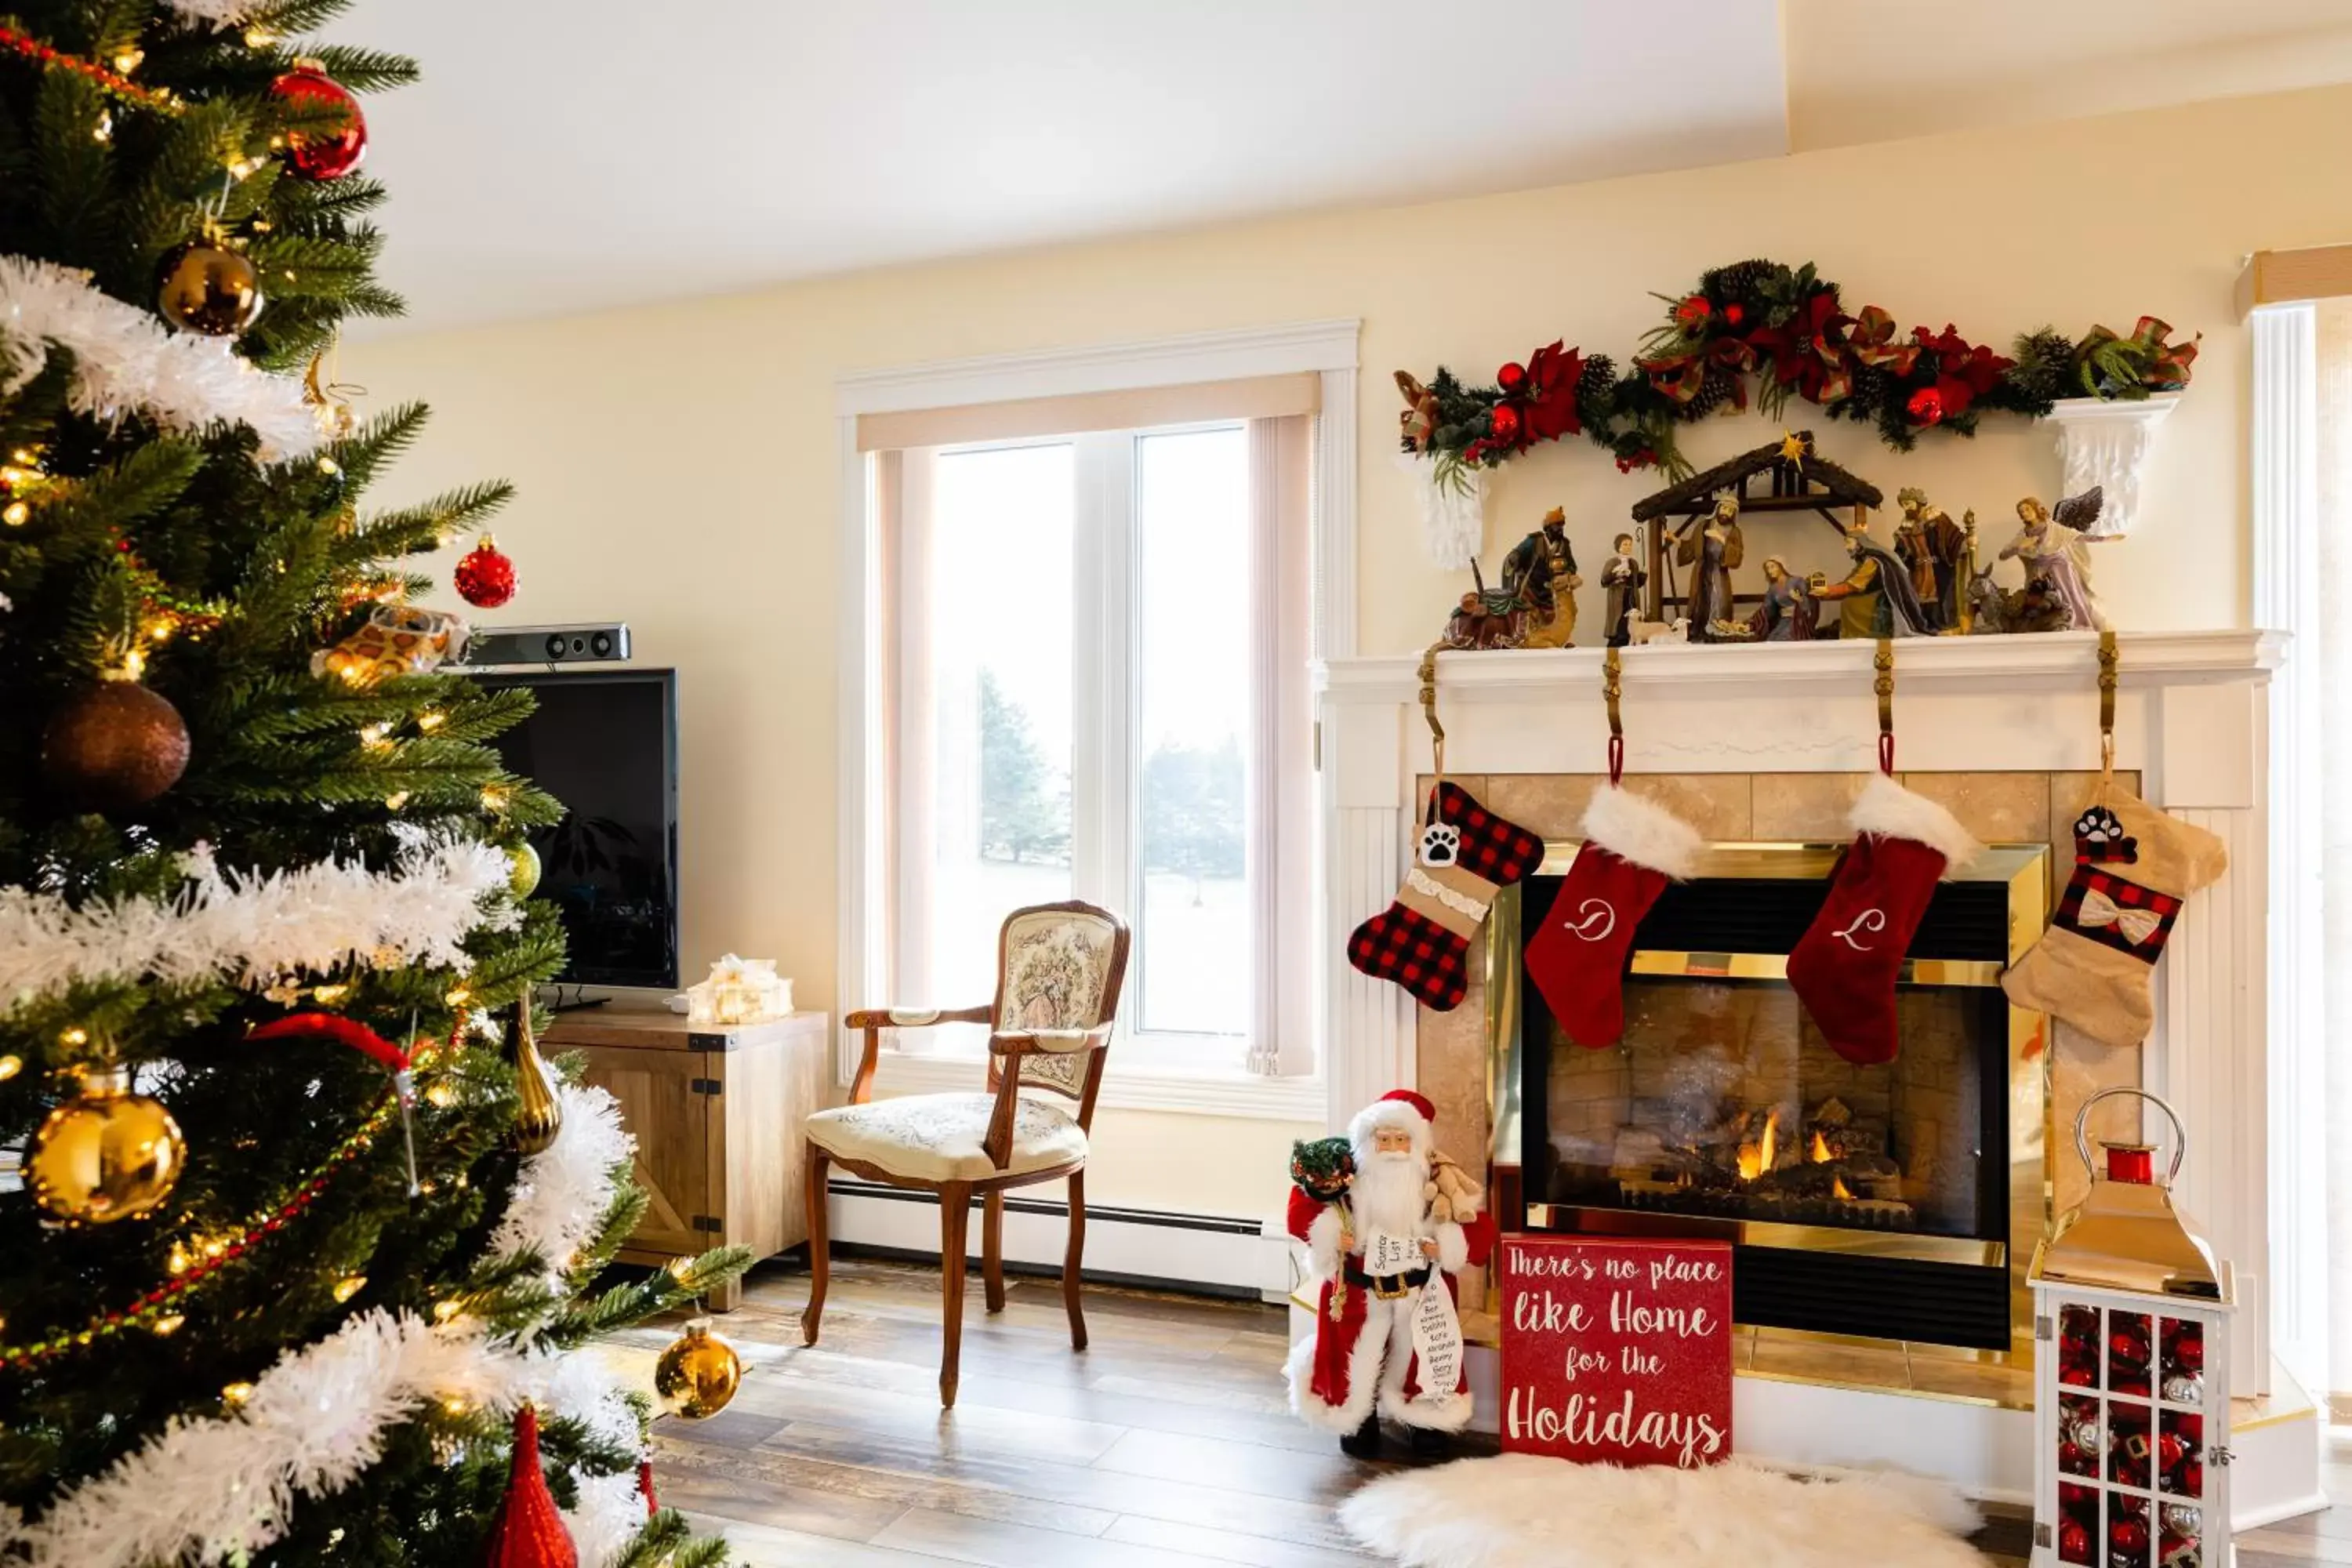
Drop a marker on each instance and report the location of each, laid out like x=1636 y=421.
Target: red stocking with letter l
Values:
x=1844 y=968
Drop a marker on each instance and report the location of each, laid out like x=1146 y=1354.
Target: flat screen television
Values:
x=604 y=743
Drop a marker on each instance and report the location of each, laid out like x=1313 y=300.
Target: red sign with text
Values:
x=1617 y=1352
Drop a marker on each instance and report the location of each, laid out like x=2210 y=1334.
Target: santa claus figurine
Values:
x=1387 y=1342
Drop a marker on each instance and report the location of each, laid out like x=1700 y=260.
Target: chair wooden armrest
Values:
x=1007 y=1047
x=874 y=1020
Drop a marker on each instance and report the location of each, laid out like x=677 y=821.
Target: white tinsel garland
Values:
x=214 y=1489
x=126 y=358
x=561 y=1197
x=256 y=929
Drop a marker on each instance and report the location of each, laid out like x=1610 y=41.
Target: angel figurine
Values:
x=2053 y=547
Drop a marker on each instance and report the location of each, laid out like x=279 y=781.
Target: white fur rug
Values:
x=1521 y=1510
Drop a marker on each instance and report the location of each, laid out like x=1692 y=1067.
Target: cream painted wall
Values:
x=677 y=463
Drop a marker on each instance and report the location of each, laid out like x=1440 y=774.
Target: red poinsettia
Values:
x=1549 y=405
x=1809 y=352
x=1964 y=372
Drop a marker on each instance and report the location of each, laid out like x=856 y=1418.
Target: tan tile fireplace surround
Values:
x=1769 y=743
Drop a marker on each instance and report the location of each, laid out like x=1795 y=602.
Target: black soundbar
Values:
x=503 y=646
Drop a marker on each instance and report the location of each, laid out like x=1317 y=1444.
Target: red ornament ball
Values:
x=2127 y=1537
x=2074 y=1542
x=1693 y=312
x=322 y=155
x=1512 y=376
x=1734 y=314
x=484 y=577
x=1505 y=422
x=1926 y=406
x=2188 y=1352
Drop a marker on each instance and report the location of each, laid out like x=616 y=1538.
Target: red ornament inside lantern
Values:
x=322 y=155
x=484 y=576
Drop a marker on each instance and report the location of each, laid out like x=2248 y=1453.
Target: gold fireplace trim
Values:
x=2002 y=1379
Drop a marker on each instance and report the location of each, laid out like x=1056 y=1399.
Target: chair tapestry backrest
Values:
x=1061 y=966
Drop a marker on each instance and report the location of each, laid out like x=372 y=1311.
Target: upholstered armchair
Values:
x=1059 y=968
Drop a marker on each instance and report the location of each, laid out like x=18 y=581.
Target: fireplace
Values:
x=1894 y=1201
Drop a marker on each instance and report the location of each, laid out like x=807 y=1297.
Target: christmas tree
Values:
x=303 y=1243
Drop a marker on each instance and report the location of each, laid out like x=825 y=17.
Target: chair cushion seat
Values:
x=936 y=1137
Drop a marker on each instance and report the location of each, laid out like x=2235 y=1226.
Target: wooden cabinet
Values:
x=716 y=1115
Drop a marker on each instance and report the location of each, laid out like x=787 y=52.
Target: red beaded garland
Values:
x=121 y=86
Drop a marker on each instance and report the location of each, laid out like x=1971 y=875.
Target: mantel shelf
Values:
x=1974 y=663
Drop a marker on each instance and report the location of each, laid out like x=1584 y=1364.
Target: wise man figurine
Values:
x=1542 y=571
x=1877 y=599
x=1387 y=1340
x=1622 y=581
x=1712 y=552
x=1930 y=545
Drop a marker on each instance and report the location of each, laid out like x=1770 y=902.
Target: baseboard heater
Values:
x=1220 y=1254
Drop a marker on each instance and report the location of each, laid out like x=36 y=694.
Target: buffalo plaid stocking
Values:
x=2134 y=869
x=1422 y=940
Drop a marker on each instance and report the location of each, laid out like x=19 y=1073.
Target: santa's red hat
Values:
x=1400 y=1109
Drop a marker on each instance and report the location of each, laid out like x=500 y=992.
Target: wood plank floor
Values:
x=1166 y=1445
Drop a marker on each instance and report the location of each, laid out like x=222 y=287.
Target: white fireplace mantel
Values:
x=2191 y=719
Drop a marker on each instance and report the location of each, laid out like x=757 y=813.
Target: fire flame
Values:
x=1838 y=1188
x=1755 y=1158
x=1819 y=1153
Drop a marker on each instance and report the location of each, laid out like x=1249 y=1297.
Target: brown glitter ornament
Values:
x=208 y=289
x=698 y=1374
x=114 y=746
x=105 y=1155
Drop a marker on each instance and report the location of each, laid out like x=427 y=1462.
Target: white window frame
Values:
x=1327 y=349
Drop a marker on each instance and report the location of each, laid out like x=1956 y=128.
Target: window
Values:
x=1098 y=654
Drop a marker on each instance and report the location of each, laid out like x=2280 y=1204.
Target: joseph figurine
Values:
x=1540 y=571
x=1712 y=550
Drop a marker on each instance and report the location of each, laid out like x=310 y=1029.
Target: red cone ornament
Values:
x=1843 y=967
x=322 y=155
x=527 y=1533
x=484 y=577
x=1577 y=958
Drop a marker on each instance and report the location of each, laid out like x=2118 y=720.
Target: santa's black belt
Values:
x=1388 y=1286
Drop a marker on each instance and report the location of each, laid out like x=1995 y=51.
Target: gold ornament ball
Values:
x=114 y=746
x=207 y=288
x=522 y=874
x=108 y=1155
x=698 y=1373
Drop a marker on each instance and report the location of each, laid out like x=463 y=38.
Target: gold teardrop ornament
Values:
x=538 y=1115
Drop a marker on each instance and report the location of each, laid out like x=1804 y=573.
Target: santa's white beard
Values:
x=1388 y=1194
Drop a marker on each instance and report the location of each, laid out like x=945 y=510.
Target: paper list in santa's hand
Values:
x=1386 y=1254
x=1437 y=1340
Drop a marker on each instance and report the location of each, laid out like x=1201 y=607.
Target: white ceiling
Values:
x=561 y=158
x=565 y=158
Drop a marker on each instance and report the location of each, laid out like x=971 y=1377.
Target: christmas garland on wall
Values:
x=1787 y=330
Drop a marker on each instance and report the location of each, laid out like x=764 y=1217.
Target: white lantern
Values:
x=2131 y=1317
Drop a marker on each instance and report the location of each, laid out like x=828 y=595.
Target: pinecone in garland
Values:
x=1713 y=391
x=1596 y=392
x=1742 y=280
